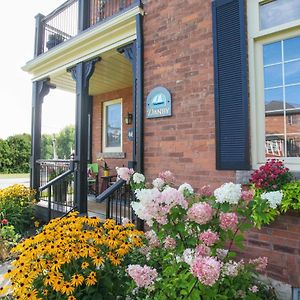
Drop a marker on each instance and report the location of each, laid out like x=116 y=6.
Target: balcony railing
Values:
x=62 y=23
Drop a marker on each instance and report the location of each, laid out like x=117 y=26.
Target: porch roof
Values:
x=112 y=72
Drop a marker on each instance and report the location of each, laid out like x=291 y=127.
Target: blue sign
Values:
x=159 y=103
x=130 y=134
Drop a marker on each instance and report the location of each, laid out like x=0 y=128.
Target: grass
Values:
x=19 y=175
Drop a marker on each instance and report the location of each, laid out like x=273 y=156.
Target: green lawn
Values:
x=21 y=175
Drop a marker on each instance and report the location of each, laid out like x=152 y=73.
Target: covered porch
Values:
x=101 y=64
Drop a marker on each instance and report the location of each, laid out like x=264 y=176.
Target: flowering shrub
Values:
x=17 y=206
x=275 y=191
x=189 y=248
x=272 y=176
x=8 y=237
x=74 y=258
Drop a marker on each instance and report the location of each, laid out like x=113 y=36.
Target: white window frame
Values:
x=111 y=149
x=256 y=39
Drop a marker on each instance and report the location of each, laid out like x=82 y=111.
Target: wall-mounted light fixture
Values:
x=128 y=119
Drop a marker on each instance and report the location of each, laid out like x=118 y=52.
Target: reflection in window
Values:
x=282 y=98
x=278 y=12
x=112 y=126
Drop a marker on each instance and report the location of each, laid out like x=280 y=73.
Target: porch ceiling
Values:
x=112 y=72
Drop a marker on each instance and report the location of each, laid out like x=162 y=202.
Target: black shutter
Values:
x=231 y=85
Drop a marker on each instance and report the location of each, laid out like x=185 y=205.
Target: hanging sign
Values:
x=159 y=103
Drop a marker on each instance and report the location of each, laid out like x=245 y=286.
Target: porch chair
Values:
x=93 y=174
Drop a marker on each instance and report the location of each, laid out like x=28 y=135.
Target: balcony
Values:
x=64 y=22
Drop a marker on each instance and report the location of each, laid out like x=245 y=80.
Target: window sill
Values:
x=113 y=155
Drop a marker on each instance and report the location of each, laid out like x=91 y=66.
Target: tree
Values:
x=20 y=149
x=5 y=157
x=65 y=141
x=47 y=146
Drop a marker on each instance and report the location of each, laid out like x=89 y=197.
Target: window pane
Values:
x=113 y=125
x=292 y=72
x=273 y=99
x=293 y=145
x=274 y=146
x=272 y=53
x=291 y=48
x=292 y=96
x=278 y=12
x=273 y=76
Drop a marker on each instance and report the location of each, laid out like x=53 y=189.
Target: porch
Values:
x=56 y=194
x=96 y=52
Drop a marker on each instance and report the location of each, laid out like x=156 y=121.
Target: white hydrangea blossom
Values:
x=158 y=183
x=145 y=197
x=273 y=198
x=186 y=186
x=188 y=256
x=138 y=178
x=231 y=268
x=228 y=192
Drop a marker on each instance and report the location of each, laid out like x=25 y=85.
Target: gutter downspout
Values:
x=139 y=95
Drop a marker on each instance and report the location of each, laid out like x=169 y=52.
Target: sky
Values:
x=17 y=42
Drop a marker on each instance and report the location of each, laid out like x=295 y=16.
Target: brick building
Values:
x=232 y=68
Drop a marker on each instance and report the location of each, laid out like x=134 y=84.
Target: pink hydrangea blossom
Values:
x=206 y=269
x=169 y=243
x=228 y=221
x=202 y=250
x=142 y=276
x=260 y=263
x=200 y=213
x=208 y=237
x=167 y=176
x=247 y=195
x=152 y=239
x=124 y=173
x=156 y=205
x=206 y=191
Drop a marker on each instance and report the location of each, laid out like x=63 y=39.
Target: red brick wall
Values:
x=126 y=95
x=178 y=55
x=280 y=242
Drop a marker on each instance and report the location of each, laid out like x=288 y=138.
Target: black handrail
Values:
x=118 y=199
x=56 y=179
x=109 y=191
x=55 y=182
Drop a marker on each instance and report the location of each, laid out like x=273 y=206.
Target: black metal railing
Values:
x=118 y=199
x=103 y=9
x=57 y=186
x=62 y=23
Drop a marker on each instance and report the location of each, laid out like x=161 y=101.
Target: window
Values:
x=274 y=79
x=277 y=12
x=281 y=62
x=112 y=126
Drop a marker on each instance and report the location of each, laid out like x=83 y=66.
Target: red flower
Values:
x=271 y=176
x=4 y=221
